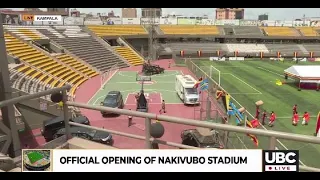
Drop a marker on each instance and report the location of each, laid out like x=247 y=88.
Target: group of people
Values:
x=273 y=117
x=295 y=117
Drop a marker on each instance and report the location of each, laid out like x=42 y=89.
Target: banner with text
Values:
x=249 y=22
x=93 y=21
x=267 y=23
x=157 y=160
x=113 y=21
x=301 y=23
x=73 y=21
x=186 y=21
x=149 y=21
x=164 y=160
x=130 y=20
x=232 y=22
x=169 y=21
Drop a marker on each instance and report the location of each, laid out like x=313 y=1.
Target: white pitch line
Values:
x=272 y=72
x=248 y=113
x=175 y=72
x=163 y=82
x=138 y=90
x=231 y=66
x=245 y=93
x=157 y=104
x=245 y=83
x=291 y=117
x=125 y=101
x=95 y=94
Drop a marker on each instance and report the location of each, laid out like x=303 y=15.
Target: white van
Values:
x=185 y=89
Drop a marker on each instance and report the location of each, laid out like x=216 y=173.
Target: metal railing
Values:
x=273 y=135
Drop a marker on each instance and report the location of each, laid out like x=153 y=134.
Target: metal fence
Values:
x=235 y=140
x=239 y=140
x=271 y=135
x=232 y=139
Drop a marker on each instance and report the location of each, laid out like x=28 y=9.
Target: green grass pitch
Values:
x=250 y=81
x=34 y=157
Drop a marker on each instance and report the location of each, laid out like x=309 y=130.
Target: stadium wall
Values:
x=139 y=43
x=230 y=54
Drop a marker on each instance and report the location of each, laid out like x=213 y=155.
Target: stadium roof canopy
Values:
x=307 y=73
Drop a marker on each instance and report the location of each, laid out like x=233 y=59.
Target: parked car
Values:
x=89 y=134
x=113 y=99
x=202 y=138
x=51 y=126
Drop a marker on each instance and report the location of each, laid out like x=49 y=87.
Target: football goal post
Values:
x=215 y=73
x=108 y=74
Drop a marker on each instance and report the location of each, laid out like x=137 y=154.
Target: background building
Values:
x=229 y=13
x=263 y=17
x=129 y=13
x=61 y=11
x=111 y=14
x=151 y=12
x=75 y=13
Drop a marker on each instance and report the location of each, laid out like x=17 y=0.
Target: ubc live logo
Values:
x=280 y=160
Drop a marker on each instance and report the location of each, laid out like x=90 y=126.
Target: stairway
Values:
x=299 y=32
x=92 y=52
x=129 y=55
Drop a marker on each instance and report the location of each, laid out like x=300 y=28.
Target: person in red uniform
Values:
x=264 y=116
x=272 y=118
x=295 y=119
x=257 y=112
x=306 y=118
x=294 y=109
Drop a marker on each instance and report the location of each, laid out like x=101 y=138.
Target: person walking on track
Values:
x=129 y=120
x=163 y=107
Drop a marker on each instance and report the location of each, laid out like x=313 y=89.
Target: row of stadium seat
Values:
x=128 y=54
x=118 y=30
x=280 y=31
x=71 y=31
x=27 y=34
x=22 y=82
x=78 y=42
x=34 y=32
x=92 y=52
x=45 y=68
x=247 y=30
x=26 y=83
x=189 y=29
x=77 y=32
x=308 y=31
x=77 y=65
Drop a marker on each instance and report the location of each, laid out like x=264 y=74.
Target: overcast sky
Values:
x=250 y=13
